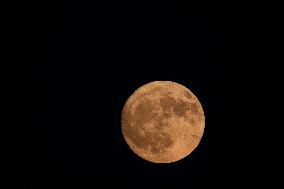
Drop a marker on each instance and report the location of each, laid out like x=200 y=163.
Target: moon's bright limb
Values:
x=162 y=122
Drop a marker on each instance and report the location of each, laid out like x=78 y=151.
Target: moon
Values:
x=162 y=122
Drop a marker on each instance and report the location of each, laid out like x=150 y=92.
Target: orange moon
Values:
x=162 y=122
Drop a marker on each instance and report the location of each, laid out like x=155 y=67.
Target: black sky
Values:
x=97 y=55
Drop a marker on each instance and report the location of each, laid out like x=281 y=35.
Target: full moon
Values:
x=162 y=122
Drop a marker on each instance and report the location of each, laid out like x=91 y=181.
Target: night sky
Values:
x=97 y=55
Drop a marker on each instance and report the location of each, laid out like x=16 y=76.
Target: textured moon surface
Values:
x=162 y=122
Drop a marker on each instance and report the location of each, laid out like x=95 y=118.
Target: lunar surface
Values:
x=162 y=122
